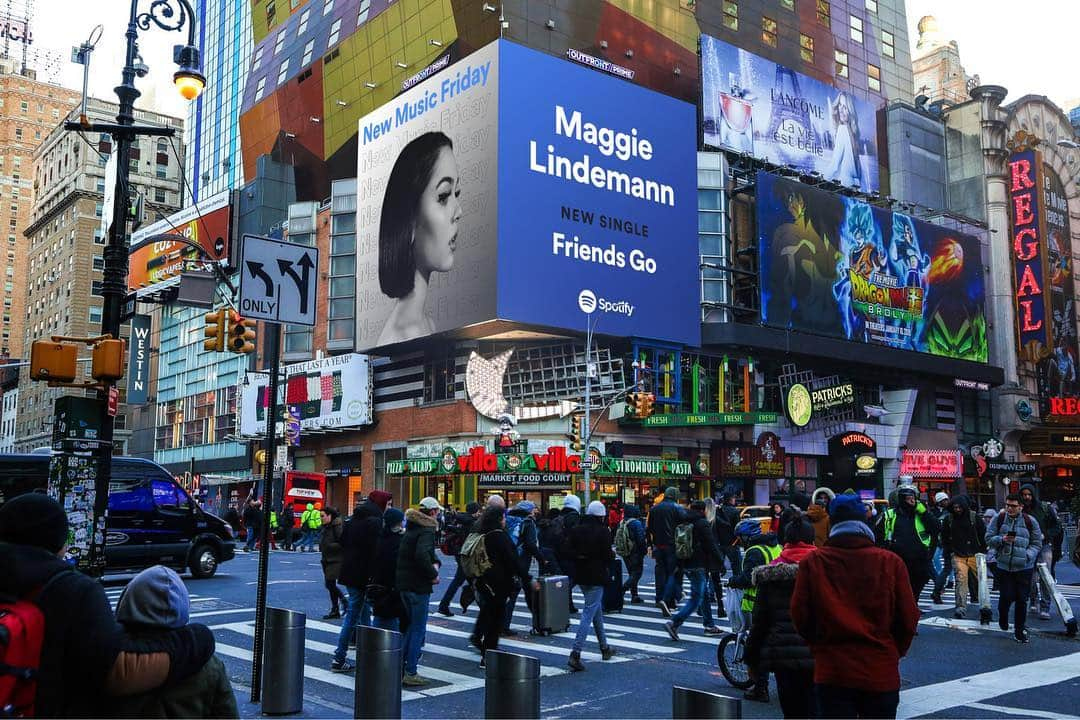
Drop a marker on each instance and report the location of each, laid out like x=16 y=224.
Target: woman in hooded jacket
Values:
x=774 y=645
x=818 y=514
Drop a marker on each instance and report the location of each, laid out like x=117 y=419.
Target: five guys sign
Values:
x=1030 y=270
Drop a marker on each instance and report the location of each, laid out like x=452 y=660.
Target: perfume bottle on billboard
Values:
x=737 y=118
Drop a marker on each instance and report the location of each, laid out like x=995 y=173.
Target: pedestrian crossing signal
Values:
x=241 y=335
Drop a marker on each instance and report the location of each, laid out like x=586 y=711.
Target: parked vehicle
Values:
x=151 y=521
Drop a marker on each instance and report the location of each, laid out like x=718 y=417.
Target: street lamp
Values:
x=189 y=79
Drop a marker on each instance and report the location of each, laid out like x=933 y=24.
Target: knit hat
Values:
x=526 y=505
x=846 y=507
x=393 y=518
x=941 y=497
x=430 y=503
x=672 y=493
x=157 y=597
x=573 y=502
x=380 y=498
x=34 y=519
x=596 y=509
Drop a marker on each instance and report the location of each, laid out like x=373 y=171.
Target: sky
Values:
x=78 y=19
x=1040 y=59
x=1026 y=46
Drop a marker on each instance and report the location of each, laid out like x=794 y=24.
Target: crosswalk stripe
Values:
x=457 y=681
x=325 y=676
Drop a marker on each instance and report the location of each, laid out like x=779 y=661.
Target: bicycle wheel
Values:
x=729 y=655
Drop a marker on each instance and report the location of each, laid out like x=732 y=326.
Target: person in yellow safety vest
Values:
x=310 y=523
x=909 y=531
x=761 y=549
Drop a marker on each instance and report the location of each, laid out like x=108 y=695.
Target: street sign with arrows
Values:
x=278 y=280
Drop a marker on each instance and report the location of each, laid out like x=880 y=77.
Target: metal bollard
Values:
x=986 y=614
x=379 y=656
x=511 y=686
x=688 y=704
x=283 y=662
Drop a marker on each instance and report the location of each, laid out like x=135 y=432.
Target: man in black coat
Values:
x=253 y=517
x=664 y=517
x=705 y=558
x=963 y=536
x=359 y=544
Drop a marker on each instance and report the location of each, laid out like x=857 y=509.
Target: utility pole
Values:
x=273 y=339
x=190 y=81
x=588 y=408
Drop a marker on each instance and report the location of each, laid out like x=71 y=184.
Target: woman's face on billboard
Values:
x=437 y=216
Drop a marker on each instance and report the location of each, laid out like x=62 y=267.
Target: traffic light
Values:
x=645 y=404
x=633 y=404
x=241 y=335
x=217 y=326
x=577 y=421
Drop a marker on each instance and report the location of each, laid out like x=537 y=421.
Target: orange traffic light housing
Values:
x=241 y=335
x=53 y=361
x=217 y=326
x=576 y=431
x=645 y=405
x=107 y=360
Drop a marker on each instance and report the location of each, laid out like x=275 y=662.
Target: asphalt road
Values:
x=954 y=669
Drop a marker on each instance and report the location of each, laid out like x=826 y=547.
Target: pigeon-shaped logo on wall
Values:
x=484 y=383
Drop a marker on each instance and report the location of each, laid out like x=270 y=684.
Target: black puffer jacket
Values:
x=589 y=544
x=358 y=545
x=773 y=643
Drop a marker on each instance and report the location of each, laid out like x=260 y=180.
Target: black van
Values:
x=151 y=521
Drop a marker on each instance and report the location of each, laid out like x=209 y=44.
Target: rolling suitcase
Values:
x=551 y=606
x=613 y=589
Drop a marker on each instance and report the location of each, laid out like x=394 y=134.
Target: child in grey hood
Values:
x=156 y=601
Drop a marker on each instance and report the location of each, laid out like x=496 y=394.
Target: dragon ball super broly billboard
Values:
x=835 y=266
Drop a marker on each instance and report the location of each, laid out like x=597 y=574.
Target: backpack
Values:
x=473 y=558
x=1027 y=520
x=453 y=537
x=684 y=541
x=624 y=544
x=22 y=633
x=514 y=525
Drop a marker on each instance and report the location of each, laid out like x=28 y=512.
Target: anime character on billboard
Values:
x=802 y=279
x=908 y=260
x=861 y=254
x=418 y=229
x=845 y=167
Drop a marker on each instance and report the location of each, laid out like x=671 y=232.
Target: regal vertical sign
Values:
x=1030 y=270
x=139 y=361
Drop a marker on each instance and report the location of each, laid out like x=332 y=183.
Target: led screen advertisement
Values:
x=152 y=261
x=1062 y=366
x=756 y=106
x=516 y=186
x=327 y=393
x=832 y=265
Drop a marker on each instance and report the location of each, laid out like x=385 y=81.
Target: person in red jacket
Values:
x=854 y=607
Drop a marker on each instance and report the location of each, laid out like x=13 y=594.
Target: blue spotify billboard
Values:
x=521 y=187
